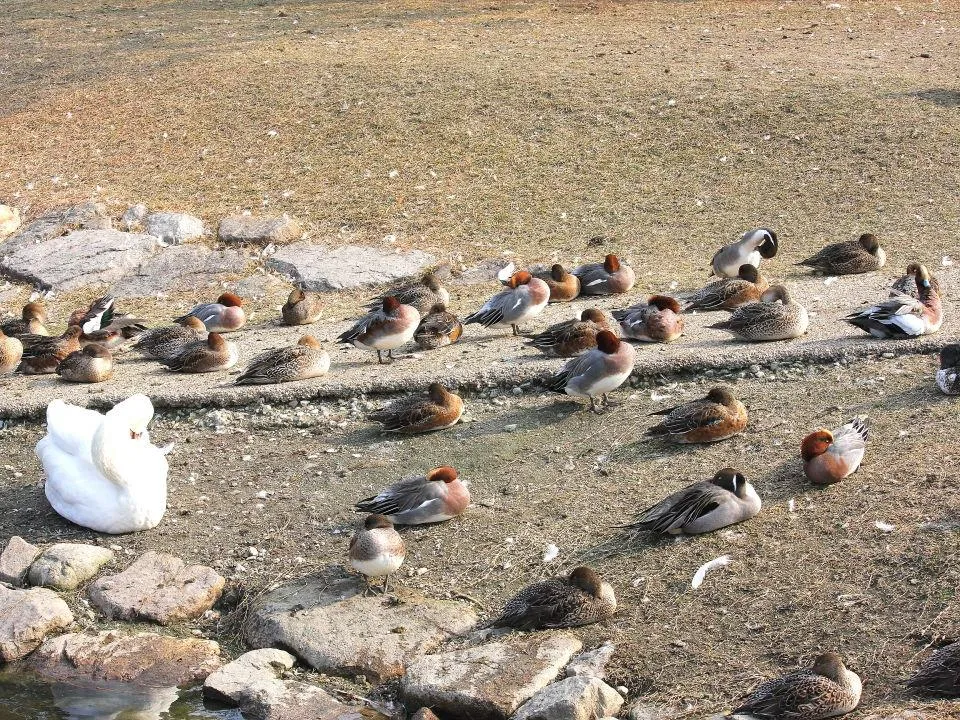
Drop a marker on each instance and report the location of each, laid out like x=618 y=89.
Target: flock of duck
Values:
x=103 y=473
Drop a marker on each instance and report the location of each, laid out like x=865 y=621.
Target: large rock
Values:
x=323 y=269
x=181 y=268
x=260 y=231
x=331 y=626
x=157 y=587
x=16 y=559
x=53 y=224
x=133 y=218
x=173 y=228
x=9 y=220
x=252 y=682
x=592 y=663
x=143 y=658
x=78 y=259
x=27 y=617
x=575 y=698
x=490 y=681
x=65 y=565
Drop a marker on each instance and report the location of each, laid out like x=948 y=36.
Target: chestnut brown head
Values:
x=519 y=278
x=722 y=396
x=587 y=580
x=664 y=302
x=444 y=473
x=216 y=342
x=816 y=443
x=611 y=263
x=377 y=521
x=594 y=315
x=607 y=342
x=230 y=299
x=390 y=304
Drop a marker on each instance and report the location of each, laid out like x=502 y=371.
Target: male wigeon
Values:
x=597 y=372
x=525 y=297
x=572 y=337
x=750 y=249
x=224 y=315
x=203 y=356
x=439 y=410
x=303 y=361
x=377 y=550
x=728 y=293
x=658 y=320
x=902 y=316
x=777 y=316
x=92 y=364
x=301 y=308
x=581 y=598
x=438 y=328
x=611 y=277
x=437 y=496
x=386 y=329
x=164 y=342
x=829 y=457
x=849 y=258
x=564 y=286
x=718 y=416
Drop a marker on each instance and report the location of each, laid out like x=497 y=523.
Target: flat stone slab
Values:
x=16 y=559
x=64 y=566
x=248 y=229
x=143 y=658
x=27 y=617
x=173 y=228
x=53 y=224
x=331 y=626
x=157 y=587
x=181 y=268
x=489 y=681
x=592 y=663
x=574 y=698
x=323 y=269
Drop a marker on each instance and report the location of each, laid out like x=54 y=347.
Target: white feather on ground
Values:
x=551 y=553
x=702 y=571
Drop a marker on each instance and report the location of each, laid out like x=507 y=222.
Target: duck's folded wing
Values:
x=681 y=508
x=410 y=494
x=793 y=697
x=693 y=417
x=71 y=428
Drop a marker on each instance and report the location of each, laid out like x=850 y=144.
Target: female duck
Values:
x=610 y=277
x=658 y=320
x=571 y=337
x=11 y=350
x=31 y=322
x=849 y=258
x=421 y=296
x=438 y=328
x=102 y=471
x=940 y=673
x=903 y=316
x=564 y=286
x=439 y=410
x=42 y=354
x=93 y=364
x=948 y=376
x=305 y=360
x=301 y=308
x=204 y=356
x=775 y=317
x=164 y=343
x=728 y=293
x=560 y=602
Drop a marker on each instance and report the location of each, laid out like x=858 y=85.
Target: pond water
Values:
x=26 y=697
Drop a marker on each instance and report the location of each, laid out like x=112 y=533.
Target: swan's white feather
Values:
x=702 y=571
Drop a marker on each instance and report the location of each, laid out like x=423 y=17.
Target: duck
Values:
x=102 y=325
x=906 y=284
x=438 y=328
x=102 y=472
x=948 y=376
x=825 y=690
x=305 y=360
x=164 y=343
x=610 y=277
x=42 y=354
x=752 y=247
x=940 y=673
x=301 y=308
x=852 y=257
x=571 y=337
x=564 y=286
x=9 y=220
x=728 y=293
x=31 y=322
x=422 y=295
x=92 y=364
x=902 y=316
x=203 y=356
x=224 y=315
x=581 y=598
x=438 y=496
x=829 y=457
x=726 y=499
x=775 y=317
x=11 y=350
x=441 y=409
x=524 y=298
x=388 y=328
x=597 y=372
x=718 y=416
x=657 y=320
x=377 y=550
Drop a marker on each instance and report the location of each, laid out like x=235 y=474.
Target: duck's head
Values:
x=869 y=242
x=732 y=480
x=438 y=393
x=310 y=341
x=722 y=396
x=193 y=323
x=557 y=272
x=587 y=580
x=390 y=304
x=664 y=302
x=438 y=307
x=230 y=299
x=519 y=278
x=73 y=332
x=816 y=443
x=431 y=281
x=94 y=350
x=607 y=342
x=135 y=413
x=216 y=342
x=776 y=293
x=444 y=473
x=77 y=316
x=949 y=356
x=748 y=272
x=829 y=665
x=594 y=315
x=296 y=296
x=922 y=275
x=34 y=311
x=377 y=521
x=611 y=263
x=768 y=243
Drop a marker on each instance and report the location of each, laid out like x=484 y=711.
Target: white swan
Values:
x=102 y=471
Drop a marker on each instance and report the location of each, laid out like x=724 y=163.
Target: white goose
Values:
x=102 y=471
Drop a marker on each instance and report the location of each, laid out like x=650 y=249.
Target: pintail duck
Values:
x=849 y=258
x=826 y=690
x=42 y=354
x=597 y=372
x=582 y=598
x=301 y=308
x=610 y=277
x=750 y=249
x=830 y=457
x=657 y=320
x=204 y=356
x=948 y=376
x=907 y=284
x=564 y=286
x=224 y=315
x=388 y=328
x=776 y=317
x=903 y=316
x=438 y=328
x=437 y=496
x=92 y=364
x=728 y=293
x=422 y=295
x=940 y=673
x=439 y=410
x=377 y=550
x=166 y=342
x=305 y=360
x=716 y=417
x=525 y=297
x=31 y=322
x=11 y=350
x=103 y=326
x=571 y=337
x=726 y=499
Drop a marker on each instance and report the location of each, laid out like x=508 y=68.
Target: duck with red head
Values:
x=611 y=277
x=422 y=499
x=524 y=298
x=386 y=329
x=203 y=356
x=572 y=337
x=376 y=549
x=829 y=457
x=564 y=286
x=718 y=416
x=597 y=372
x=439 y=410
x=581 y=598
x=657 y=320
x=224 y=315
x=31 y=322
